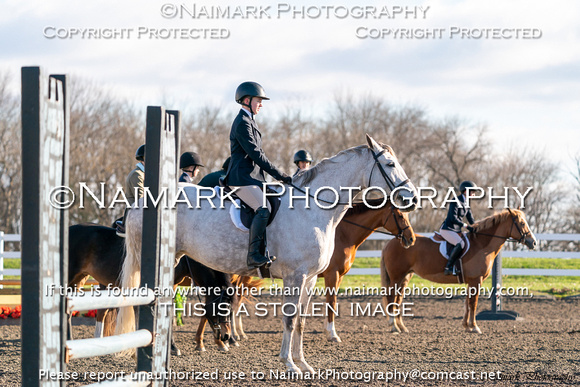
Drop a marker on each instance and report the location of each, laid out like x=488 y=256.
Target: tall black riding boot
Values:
x=452 y=258
x=257 y=236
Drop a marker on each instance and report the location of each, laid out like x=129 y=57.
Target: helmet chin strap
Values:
x=250 y=107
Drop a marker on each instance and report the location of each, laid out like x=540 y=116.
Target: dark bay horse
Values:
x=242 y=284
x=489 y=236
x=97 y=251
x=358 y=223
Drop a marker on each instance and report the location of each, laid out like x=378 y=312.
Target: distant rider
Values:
x=303 y=160
x=189 y=163
x=451 y=227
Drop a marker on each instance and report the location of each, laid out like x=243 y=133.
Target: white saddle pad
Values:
x=443 y=247
x=235 y=215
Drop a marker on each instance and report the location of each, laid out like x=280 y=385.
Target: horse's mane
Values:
x=305 y=177
x=495 y=219
x=361 y=208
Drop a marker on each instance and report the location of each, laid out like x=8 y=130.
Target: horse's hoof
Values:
x=200 y=349
x=335 y=339
x=292 y=369
x=237 y=338
x=224 y=349
x=235 y=344
x=175 y=352
x=244 y=337
x=294 y=372
x=305 y=368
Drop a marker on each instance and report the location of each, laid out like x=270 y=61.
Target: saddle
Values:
x=242 y=217
x=445 y=250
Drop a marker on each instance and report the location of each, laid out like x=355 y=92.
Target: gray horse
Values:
x=302 y=237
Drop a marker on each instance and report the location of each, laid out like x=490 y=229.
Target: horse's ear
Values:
x=372 y=143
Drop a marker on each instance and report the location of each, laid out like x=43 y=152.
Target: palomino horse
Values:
x=489 y=236
x=97 y=251
x=301 y=235
x=359 y=222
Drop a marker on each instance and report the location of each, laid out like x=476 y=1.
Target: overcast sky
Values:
x=525 y=88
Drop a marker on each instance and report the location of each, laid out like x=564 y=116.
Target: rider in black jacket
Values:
x=248 y=164
x=451 y=227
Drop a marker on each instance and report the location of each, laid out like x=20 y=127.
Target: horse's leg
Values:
x=473 y=295
x=289 y=320
x=235 y=334
x=332 y=280
x=239 y=326
x=390 y=284
x=223 y=347
x=99 y=325
x=399 y=300
x=199 y=346
x=175 y=351
x=297 y=339
x=466 y=314
x=233 y=341
x=174 y=348
x=392 y=307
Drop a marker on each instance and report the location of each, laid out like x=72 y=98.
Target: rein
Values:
x=399 y=235
x=191 y=277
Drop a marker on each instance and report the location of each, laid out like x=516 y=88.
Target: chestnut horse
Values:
x=358 y=223
x=487 y=239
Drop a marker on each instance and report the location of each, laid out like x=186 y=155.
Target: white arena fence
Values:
x=506 y=253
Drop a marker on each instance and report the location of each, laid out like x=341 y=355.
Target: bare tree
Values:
x=10 y=158
x=105 y=133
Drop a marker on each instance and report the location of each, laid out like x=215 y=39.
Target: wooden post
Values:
x=159 y=233
x=44 y=138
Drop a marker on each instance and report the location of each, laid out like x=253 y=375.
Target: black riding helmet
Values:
x=188 y=159
x=466 y=184
x=302 y=155
x=140 y=154
x=249 y=89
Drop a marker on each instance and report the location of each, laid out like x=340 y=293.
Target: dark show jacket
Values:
x=455 y=215
x=212 y=179
x=248 y=162
x=184 y=178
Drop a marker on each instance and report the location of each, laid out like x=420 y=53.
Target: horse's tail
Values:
x=385 y=279
x=130 y=276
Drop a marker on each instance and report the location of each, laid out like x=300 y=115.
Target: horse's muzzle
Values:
x=531 y=243
x=407 y=242
x=223 y=332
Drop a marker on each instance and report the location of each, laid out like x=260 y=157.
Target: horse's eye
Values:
x=390 y=164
